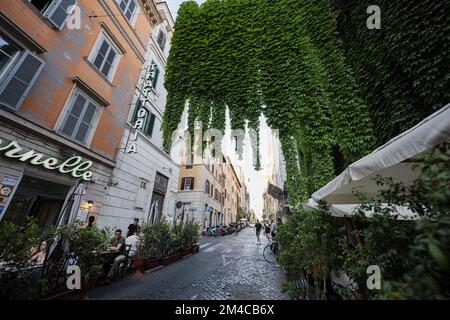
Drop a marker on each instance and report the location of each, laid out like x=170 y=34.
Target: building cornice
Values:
x=151 y=10
x=24 y=124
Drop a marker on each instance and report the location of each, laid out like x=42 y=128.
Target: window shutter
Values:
x=192 y=183
x=149 y=124
x=20 y=80
x=135 y=112
x=109 y=62
x=86 y=122
x=162 y=40
x=155 y=78
x=101 y=53
x=60 y=11
x=74 y=115
x=183 y=181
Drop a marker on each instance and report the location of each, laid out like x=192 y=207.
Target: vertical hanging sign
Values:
x=142 y=112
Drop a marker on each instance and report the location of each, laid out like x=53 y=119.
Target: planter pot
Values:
x=138 y=267
x=195 y=248
x=86 y=285
x=176 y=256
x=151 y=263
x=186 y=251
x=166 y=260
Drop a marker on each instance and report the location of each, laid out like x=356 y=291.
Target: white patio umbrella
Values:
x=153 y=212
x=394 y=159
x=80 y=191
x=69 y=211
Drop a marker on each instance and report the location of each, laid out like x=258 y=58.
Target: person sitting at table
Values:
x=133 y=241
x=117 y=245
x=38 y=254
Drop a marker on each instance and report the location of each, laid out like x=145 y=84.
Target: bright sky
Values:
x=174 y=4
x=256 y=181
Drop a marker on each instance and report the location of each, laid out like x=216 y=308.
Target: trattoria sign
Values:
x=142 y=112
x=74 y=166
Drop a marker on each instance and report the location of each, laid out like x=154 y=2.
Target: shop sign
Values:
x=142 y=112
x=74 y=166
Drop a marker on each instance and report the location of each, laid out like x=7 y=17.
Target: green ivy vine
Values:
x=277 y=58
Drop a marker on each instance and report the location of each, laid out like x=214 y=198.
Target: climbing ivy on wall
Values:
x=279 y=58
x=403 y=69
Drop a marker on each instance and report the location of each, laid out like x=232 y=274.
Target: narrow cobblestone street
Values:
x=226 y=268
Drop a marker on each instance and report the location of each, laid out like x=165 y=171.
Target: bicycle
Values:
x=271 y=251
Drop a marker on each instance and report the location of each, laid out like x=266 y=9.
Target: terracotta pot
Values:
x=138 y=264
x=151 y=263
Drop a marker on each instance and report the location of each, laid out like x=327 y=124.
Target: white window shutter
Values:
x=18 y=83
x=59 y=11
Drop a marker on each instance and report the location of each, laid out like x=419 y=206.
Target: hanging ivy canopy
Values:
x=278 y=58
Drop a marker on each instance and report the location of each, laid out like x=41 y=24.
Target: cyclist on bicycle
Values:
x=273 y=229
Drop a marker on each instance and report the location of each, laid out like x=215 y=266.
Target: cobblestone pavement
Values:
x=226 y=268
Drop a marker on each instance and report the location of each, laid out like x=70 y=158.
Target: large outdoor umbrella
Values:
x=80 y=191
x=69 y=211
x=394 y=159
x=153 y=211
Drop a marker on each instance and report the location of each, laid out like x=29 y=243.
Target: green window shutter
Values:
x=149 y=124
x=135 y=112
x=155 y=79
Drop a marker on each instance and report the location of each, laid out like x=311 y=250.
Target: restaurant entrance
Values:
x=36 y=198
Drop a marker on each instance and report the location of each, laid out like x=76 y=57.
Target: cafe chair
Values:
x=122 y=267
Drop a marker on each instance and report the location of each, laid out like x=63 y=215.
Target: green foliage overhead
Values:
x=403 y=69
x=279 y=58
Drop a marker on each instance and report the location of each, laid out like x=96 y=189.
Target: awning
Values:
x=394 y=159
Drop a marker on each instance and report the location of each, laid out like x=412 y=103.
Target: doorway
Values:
x=36 y=198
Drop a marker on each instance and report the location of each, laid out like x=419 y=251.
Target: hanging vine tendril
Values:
x=277 y=58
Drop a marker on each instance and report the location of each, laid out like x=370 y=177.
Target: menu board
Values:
x=8 y=185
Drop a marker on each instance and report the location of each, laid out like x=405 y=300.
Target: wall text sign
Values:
x=74 y=166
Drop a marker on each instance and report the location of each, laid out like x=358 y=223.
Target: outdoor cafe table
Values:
x=109 y=256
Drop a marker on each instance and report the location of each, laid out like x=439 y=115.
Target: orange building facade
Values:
x=68 y=71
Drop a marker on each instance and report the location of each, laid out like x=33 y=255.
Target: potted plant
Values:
x=85 y=245
x=159 y=241
x=148 y=246
x=176 y=243
x=190 y=236
x=21 y=278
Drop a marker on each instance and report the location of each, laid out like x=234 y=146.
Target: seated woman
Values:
x=38 y=254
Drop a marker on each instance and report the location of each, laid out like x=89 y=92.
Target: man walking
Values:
x=258 y=227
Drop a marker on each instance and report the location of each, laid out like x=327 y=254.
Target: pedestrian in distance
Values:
x=258 y=227
x=267 y=230
x=273 y=229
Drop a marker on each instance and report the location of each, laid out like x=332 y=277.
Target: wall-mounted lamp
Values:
x=90 y=204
